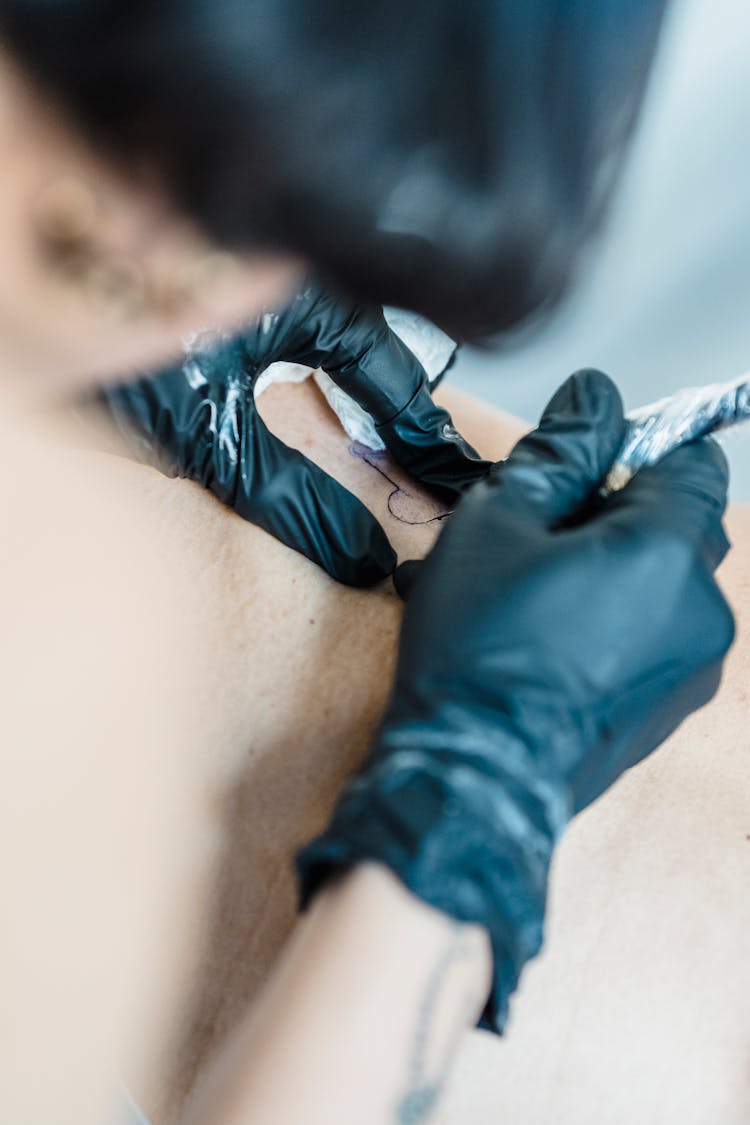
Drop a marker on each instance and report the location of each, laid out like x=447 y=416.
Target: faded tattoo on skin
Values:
x=422 y=1091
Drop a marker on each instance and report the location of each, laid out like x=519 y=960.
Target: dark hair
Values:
x=449 y=157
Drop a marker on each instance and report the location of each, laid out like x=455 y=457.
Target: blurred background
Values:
x=665 y=300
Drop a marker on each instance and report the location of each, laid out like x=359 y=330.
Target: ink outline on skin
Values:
x=371 y=458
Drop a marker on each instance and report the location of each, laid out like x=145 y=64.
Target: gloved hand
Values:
x=199 y=420
x=549 y=643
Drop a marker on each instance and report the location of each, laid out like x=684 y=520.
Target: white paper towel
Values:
x=430 y=345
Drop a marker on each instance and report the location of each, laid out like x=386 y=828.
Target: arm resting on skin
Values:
x=327 y=1043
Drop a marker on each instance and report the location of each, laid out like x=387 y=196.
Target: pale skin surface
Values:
x=54 y=334
x=327 y=1042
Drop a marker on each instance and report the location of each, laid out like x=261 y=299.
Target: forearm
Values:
x=361 y=1018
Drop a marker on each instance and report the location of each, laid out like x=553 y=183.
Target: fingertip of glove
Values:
x=363 y=572
x=358 y=551
x=588 y=394
x=381 y=564
x=404 y=577
x=556 y=468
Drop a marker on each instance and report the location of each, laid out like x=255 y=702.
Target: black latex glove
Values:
x=548 y=644
x=199 y=420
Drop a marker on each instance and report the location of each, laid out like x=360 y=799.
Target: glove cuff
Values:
x=467 y=847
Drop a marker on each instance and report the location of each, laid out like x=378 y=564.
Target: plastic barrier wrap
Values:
x=655 y=430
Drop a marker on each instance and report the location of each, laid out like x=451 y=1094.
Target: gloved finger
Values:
x=424 y=441
x=286 y=333
x=686 y=491
x=369 y=361
x=282 y=491
x=405 y=575
x=554 y=471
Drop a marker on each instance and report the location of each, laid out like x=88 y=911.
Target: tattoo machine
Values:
x=654 y=431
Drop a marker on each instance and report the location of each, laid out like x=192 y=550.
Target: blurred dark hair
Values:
x=452 y=158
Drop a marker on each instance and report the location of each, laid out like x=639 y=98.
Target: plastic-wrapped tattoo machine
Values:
x=657 y=429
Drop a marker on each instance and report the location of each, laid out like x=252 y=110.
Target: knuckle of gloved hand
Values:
x=700 y=540
x=703 y=543
x=708 y=626
x=708 y=450
x=720 y=635
x=717 y=544
x=699 y=469
x=673 y=547
x=704 y=686
x=694 y=533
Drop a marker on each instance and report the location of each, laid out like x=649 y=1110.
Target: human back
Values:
x=297 y=671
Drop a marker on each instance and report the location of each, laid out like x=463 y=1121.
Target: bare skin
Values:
x=360 y=1017
x=298 y=676
x=55 y=333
